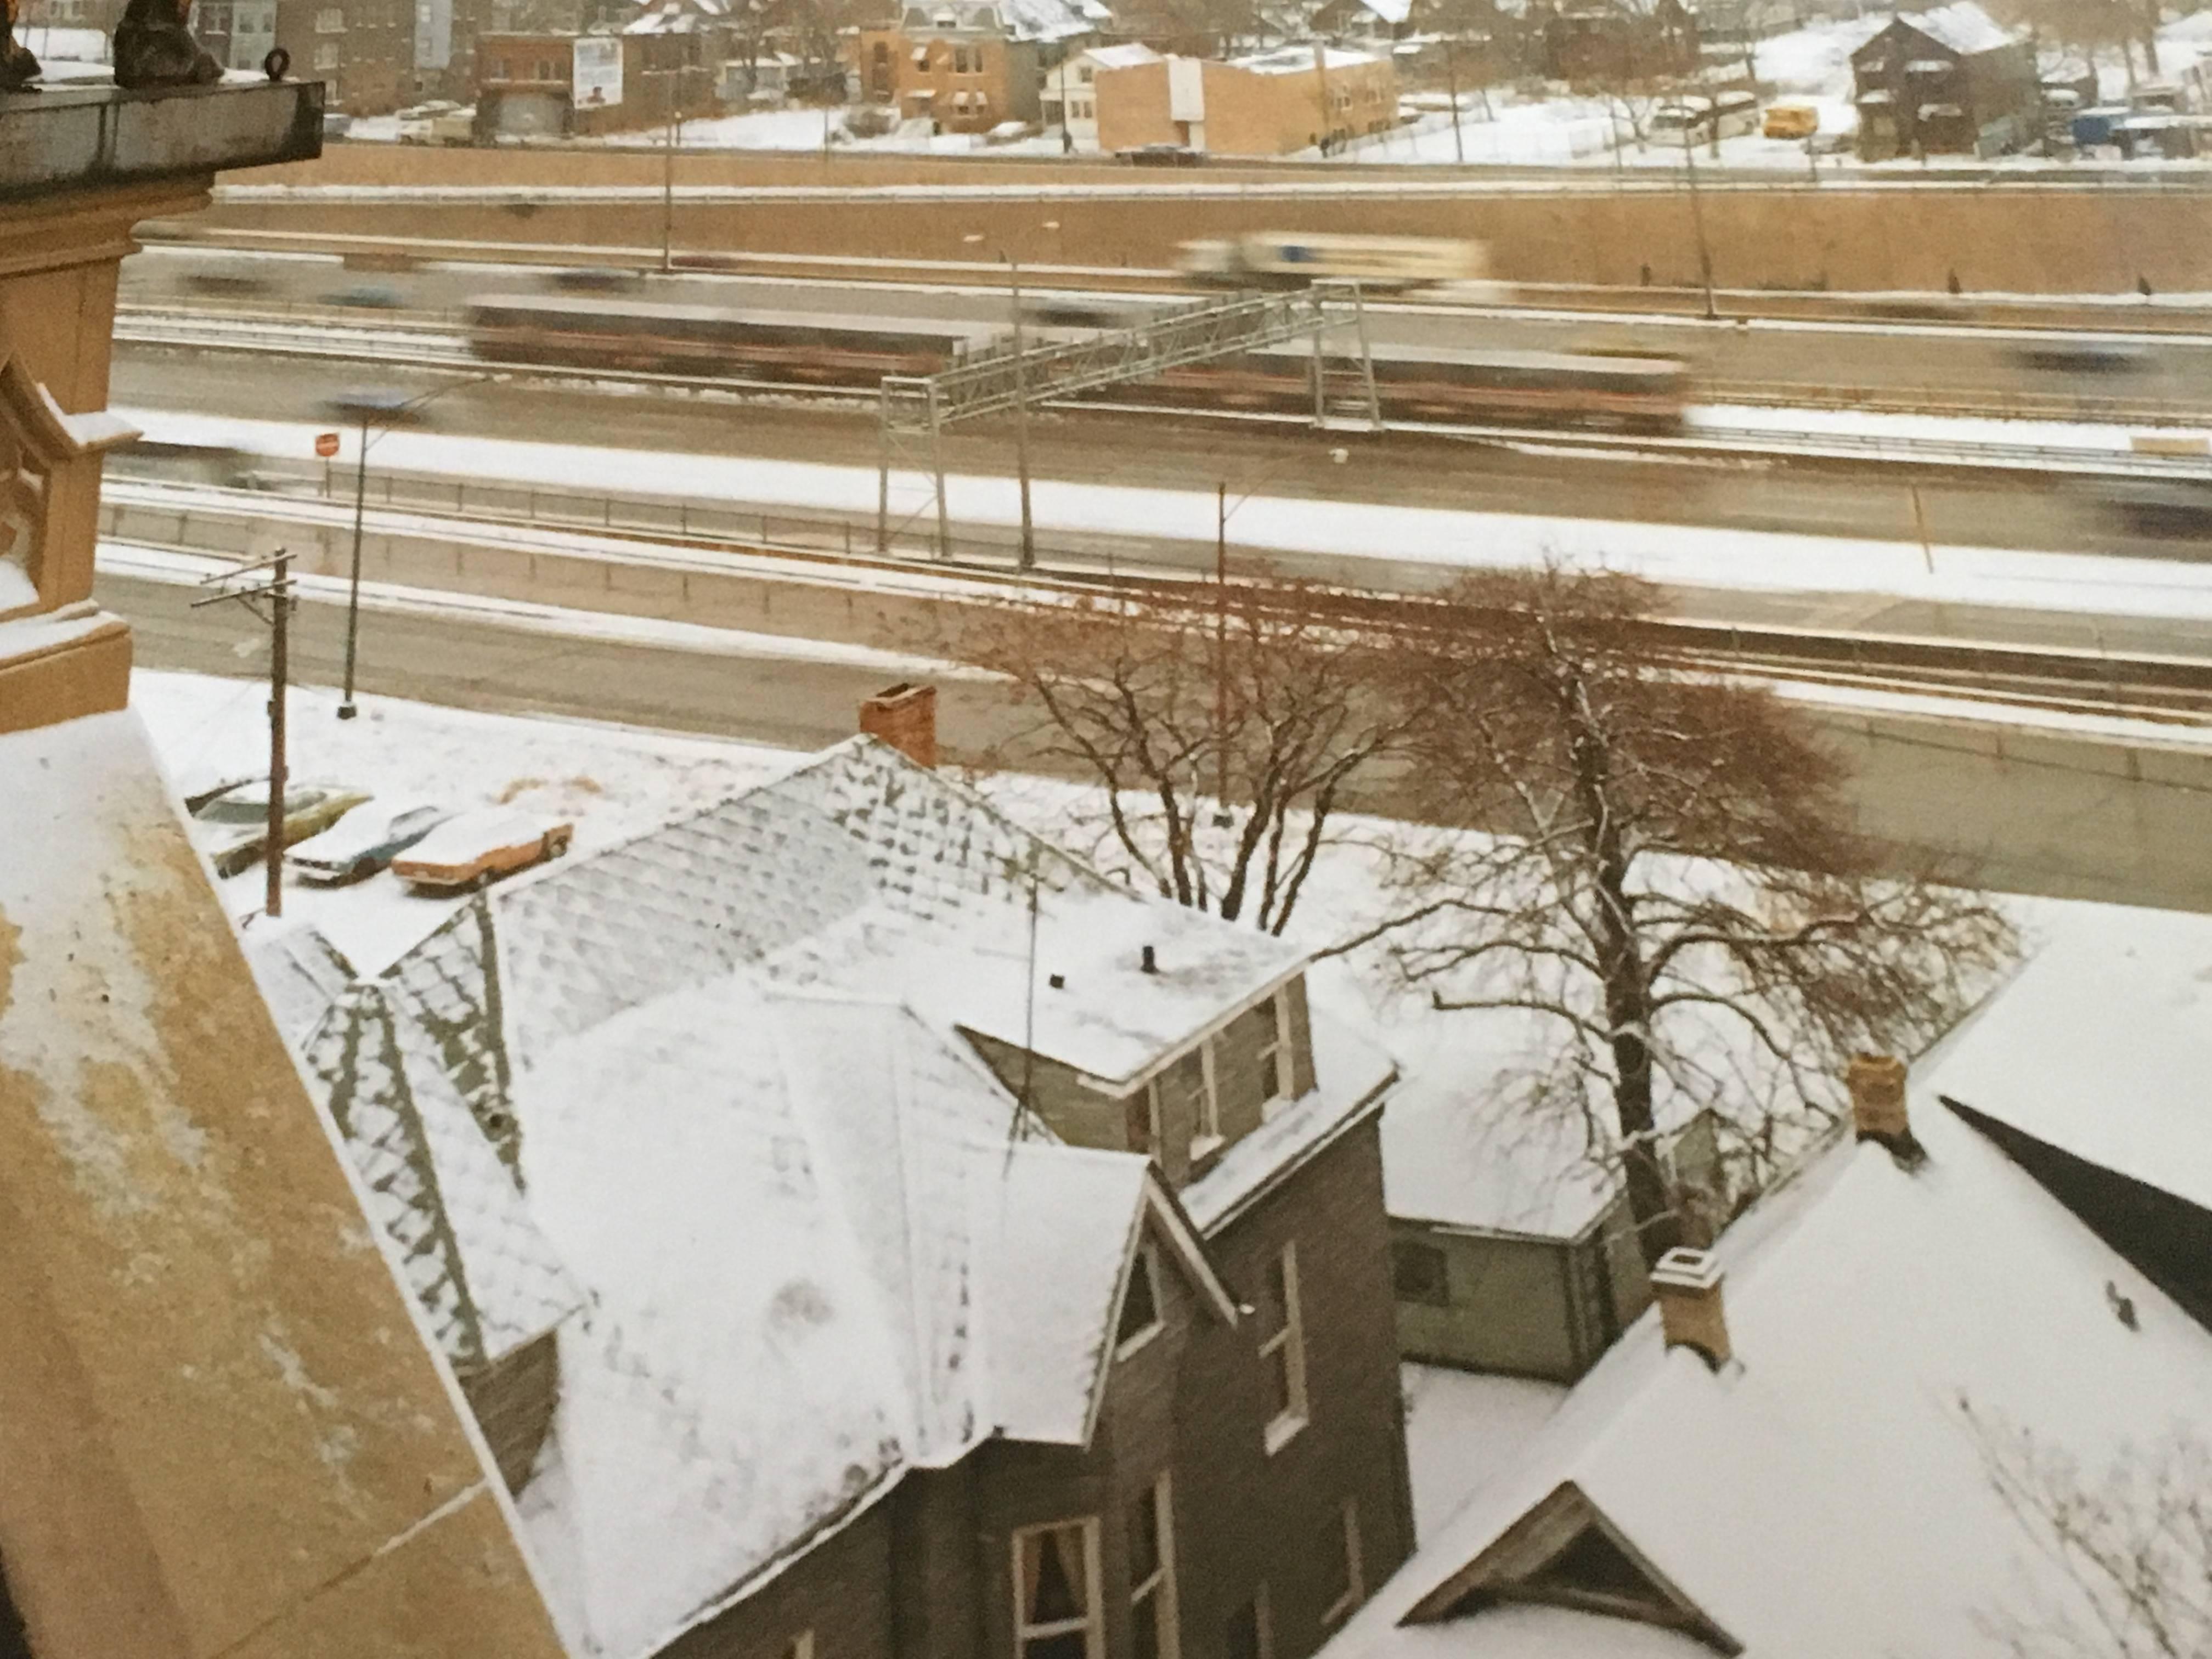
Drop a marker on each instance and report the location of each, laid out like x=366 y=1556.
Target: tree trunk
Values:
x=1627 y=1002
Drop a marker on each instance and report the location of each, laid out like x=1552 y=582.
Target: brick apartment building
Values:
x=796 y=1330
x=1270 y=104
x=362 y=49
x=526 y=84
x=969 y=65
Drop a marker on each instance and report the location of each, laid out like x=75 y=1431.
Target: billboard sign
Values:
x=599 y=71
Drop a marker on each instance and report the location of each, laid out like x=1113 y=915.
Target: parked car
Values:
x=238 y=819
x=1162 y=155
x=1791 y=120
x=440 y=121
x=365 y=841
x=463 y=852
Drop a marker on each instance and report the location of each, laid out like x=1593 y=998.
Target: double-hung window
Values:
x=1056 y=1604
x=1339 y=1563
x=1282 y=1347
x=1152 y=1628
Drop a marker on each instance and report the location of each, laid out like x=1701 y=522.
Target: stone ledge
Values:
x=71 y=137
x=61 y=665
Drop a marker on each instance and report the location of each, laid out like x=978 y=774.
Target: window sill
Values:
x=1205 y=1146
x=1338 y=1611
x=1280 y=1432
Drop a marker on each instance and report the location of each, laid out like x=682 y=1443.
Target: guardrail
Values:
x=826 y=548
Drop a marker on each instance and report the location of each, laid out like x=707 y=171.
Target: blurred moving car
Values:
x=596 y=279
x=463 y=852
x=1293 y=259
x=2081 y=357
x=367 y=296
x=227 y=283
x=365 y=841
x=238 y=819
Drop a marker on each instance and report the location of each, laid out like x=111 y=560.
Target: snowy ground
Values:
x=611 y=782
x=1676 y=555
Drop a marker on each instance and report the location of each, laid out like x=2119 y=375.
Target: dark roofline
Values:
x=2162 y=1236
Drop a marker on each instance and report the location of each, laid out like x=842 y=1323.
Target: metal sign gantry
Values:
x=916 y=409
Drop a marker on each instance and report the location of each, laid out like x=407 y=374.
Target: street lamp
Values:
x=1224 y=510
x=346 y=708
x=1028 y=554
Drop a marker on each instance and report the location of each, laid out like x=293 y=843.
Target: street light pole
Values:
x=1022 y=419
x=668 y=180
x=280 y=670
x=1698 y=222
x=346 y=709
x=1221 y=648
x=1451 y=75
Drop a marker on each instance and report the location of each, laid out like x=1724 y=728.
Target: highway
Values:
x=1934 y=361
x=1855 y=500
x=2051 y=813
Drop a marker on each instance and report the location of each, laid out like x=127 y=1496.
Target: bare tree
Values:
x=1674 y=892
x=2136 y=1543
x=1223 y=724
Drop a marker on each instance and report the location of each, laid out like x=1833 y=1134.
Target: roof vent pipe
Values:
x=1151 y=961
x=1686 y=1284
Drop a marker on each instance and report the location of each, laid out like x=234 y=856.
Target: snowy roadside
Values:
x=1671 y=555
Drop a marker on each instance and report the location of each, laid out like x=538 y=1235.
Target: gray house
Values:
x=1947 y=82
x=1511 y=1251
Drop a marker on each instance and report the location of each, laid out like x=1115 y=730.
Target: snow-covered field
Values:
x=1677 y=556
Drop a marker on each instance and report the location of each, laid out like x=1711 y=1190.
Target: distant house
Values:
x=560 y=85
x=1511 y=1251
x=862 y=1229
x=1779 y=1458
x=1947 y=82
x=1272 y=103
x=970 y=65
x=1615 y=44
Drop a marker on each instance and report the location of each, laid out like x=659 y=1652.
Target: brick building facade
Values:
x=1275 y=104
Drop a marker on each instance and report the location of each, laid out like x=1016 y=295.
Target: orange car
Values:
x=465 y=853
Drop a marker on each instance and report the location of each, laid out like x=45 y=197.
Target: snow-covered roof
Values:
x=1297 y=60
x=301 y=973
x=1131 y=54
x=2110 y=994
x=1963 y=27
x=1823 y=1494
x=707 y=1092
x=1390 y=11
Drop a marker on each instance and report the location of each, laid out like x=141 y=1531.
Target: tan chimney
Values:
x=1878 y=1112
x=1687 y=1286
x=905 y=717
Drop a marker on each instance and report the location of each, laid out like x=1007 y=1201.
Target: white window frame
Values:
x=800 y=1646
x=1093 y=1625
x=1290 y=1341
x=1355 y=1589
x=1145 y=1261
x=327 y=56
x=1278 y=1056
x=1161 y=1586
x=1263 y=1618
x=1207 y=1138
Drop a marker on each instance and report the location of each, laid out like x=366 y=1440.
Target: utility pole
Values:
x=1698 y=223
x=277 y=590
x=1021 y=419
x=1451 y=77
x=668 y=177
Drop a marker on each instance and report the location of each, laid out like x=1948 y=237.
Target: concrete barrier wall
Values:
x=1847 y=237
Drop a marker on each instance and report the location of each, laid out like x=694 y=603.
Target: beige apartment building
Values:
x=1273 y=104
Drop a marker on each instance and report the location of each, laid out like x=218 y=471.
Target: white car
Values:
x=365 y=841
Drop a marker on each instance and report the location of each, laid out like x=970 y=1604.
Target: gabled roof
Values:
x=1134 y=54
x=1962 y=27
x=1823 y=1495
x=712 y=1078
x=2097 y=1003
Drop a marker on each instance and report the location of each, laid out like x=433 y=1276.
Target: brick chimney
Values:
x=905 y=717
x=1687 y=1286
x=1877 y=1083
